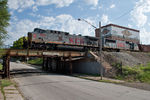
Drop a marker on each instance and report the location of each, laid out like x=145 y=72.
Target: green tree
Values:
x=4 y=20
x=18 y=44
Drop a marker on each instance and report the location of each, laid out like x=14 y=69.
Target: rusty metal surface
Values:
x=36 y=53
x=41 y=53
x=144 y=48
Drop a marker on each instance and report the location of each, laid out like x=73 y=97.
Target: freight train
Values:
x=58 y=40
x=114 y=37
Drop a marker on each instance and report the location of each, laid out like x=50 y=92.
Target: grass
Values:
x=1 y=66
x=109 y=81
x=5 y=83
x=36 y=61
x=139 y=73
x=103 y=80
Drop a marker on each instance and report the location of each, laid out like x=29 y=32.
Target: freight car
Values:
x=144 y=48
x=117 y=37
x=54 y=40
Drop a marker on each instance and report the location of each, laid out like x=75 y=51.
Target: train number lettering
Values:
x=76 y=40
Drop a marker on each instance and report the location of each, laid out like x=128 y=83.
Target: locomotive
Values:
x=118 y=38
x=58 y=40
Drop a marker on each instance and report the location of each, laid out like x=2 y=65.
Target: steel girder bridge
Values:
x=46 y=55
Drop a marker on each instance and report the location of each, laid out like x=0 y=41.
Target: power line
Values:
x=122 y=15
x=125 y=13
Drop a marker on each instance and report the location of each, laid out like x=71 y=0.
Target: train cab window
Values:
x=66 y=33
x=110 y=41
x=42 y=31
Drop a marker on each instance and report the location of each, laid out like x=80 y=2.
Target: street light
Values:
x=79 y=19
x=100 y=38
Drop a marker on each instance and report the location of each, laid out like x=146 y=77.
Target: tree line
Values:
x=4 y=20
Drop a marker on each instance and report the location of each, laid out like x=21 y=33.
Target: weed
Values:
x=135 y=73
x=5 y=83
x=1 y=66
x=37 y=61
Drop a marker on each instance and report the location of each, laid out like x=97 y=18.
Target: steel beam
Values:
x=70 y=64
x=6 y=66
x=41 y=53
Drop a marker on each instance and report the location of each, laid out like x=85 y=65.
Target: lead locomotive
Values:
x=58 y=40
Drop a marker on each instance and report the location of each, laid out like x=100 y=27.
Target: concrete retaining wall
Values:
x=87 y=66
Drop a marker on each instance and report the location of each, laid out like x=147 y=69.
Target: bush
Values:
x=136 y=73
x=36 y=61
x=1 y=66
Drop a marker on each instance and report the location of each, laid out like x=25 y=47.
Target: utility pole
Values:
x=100 y=49
x=100 y=43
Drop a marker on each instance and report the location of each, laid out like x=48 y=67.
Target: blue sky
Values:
x=63 y=14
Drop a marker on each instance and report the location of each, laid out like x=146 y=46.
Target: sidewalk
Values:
x=98 y=78
x=11 y=93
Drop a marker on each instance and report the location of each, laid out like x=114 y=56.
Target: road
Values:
x=48 y=86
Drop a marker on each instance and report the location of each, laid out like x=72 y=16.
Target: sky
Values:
x=63 y=14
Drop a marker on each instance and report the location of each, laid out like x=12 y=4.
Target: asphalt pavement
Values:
x=49 y=86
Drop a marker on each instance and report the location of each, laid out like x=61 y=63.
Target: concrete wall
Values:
x=86 y=66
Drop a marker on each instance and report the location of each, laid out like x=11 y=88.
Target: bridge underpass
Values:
x=52 y=60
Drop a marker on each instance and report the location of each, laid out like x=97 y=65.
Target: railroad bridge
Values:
x=60 y=57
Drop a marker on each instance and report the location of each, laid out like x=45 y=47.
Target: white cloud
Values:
x=112 y=6
x=62 y=22
x=140 y=18
x=34 y=8
x=58 y=3
x=19 y=5
x=129 y=25
x=144 y=36
x=92 y=2
x=138 y=15
x=105 y=19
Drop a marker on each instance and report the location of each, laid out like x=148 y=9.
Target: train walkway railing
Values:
x=101 y=61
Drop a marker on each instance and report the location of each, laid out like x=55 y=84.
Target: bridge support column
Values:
x=61 y=65
x=50 y=64
x=59 y=69
x=44 y=63
x=70 y=64
x=6 y=66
